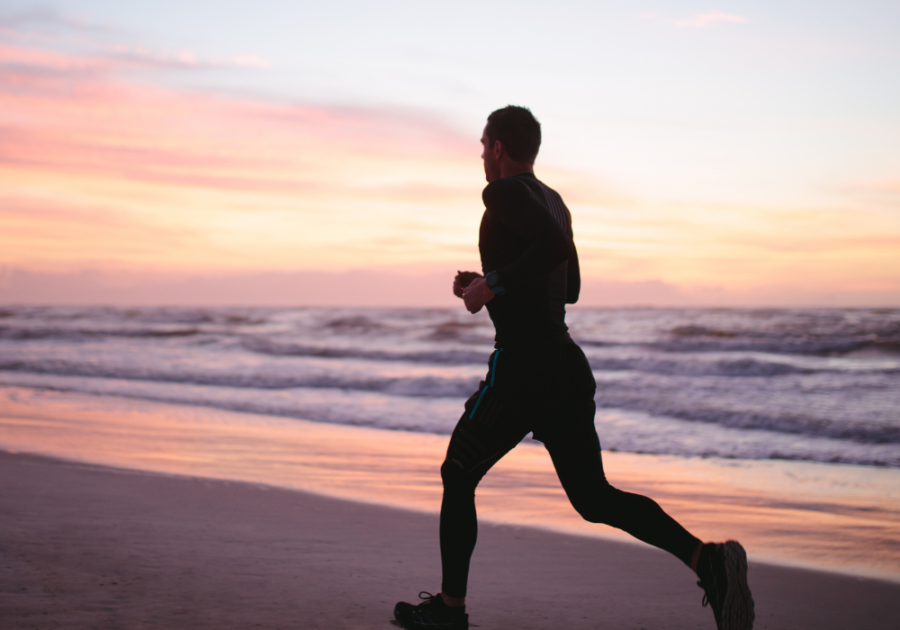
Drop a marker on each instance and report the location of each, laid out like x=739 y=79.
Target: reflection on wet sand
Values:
x=844 y=518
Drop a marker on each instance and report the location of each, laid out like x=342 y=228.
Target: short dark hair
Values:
x=518 y=130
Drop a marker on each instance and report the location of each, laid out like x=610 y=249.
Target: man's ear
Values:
x=498 y=149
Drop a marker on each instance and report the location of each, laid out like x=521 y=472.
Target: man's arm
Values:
x=511 y=202
x=573 y=278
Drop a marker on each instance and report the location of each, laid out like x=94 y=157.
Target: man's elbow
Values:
x=564 y=250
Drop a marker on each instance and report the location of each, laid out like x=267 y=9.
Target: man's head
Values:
x=519 y=136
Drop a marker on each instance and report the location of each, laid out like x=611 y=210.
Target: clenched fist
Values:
x=462 y=280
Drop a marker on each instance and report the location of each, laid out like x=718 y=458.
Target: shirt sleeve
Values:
x=573 y=279
x=573 y=270
x=512 y=203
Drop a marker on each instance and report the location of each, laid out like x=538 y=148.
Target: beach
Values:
x=237 y=468
x=207 y=518
x=802 y=514
x=87 y=546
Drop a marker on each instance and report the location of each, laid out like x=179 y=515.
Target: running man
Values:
x=540 y=382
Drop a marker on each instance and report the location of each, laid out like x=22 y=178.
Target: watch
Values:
x=492 y=280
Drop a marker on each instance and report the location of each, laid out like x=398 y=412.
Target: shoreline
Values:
x=844 y=520
x=88 y=545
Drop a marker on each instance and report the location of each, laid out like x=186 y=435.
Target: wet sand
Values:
x=810 y=515
x=85 y=546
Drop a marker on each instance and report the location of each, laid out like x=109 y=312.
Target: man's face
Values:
x=491 y=164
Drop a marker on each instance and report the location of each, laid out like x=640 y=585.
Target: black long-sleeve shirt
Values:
x=526 y=237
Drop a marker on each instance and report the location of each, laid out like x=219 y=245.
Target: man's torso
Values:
x=534 y=311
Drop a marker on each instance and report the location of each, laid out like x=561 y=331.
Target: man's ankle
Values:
x=695 y=559
x=453 y=602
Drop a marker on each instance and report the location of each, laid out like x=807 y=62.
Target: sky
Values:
x=724 y=153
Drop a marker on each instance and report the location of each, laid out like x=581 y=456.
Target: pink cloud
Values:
x=250 y=61
x=362 y=287
x=105 y=167
x=381 y=287
x=29 y=60
x=701 y=20
x=141 y=55
x=706 y=20
x=69 y=114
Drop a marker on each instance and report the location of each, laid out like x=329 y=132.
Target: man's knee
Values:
x=590 y=510
x=597 y=504
x=455 y=478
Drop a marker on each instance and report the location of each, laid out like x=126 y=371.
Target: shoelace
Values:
x=427 y=613
x=706 y=589
x=427 y=597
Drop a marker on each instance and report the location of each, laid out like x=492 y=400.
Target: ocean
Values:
x=816 y=385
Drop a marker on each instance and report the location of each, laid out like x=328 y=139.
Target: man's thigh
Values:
x=575 y=451
x=567 y=427
x=489 y=428
x=564 y=401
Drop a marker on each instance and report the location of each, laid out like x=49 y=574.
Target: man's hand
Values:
x=477 y=294
x=462 y=280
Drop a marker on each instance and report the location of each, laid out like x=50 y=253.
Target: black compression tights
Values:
x=591 y=495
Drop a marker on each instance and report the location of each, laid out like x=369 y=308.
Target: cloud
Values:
x=80 y=114
x=45 y=18
x=97 y=44
x=706 y=20
x=701 y=20
x=361 y=287
x=249 y=182
x=381 y=287
x=883 y=193
x=182 y=59
x=249 y=61
x=105 y=168
x=45 y=231
x=656 y=293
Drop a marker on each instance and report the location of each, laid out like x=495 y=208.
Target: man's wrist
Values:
x=492 y=280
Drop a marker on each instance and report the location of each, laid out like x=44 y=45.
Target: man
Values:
x=540 y=382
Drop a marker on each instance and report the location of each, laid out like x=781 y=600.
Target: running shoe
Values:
x=723 y=578
x=431 y=613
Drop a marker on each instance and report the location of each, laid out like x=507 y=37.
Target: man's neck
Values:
x=510 y=168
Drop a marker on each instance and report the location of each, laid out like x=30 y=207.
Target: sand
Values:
x=811 y=515
x=84 y=546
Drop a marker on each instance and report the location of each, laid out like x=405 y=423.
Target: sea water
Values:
x=820 y=385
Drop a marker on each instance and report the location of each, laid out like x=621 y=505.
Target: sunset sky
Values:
x=711 y=153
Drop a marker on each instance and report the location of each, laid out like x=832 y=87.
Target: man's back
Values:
x=526 y=236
